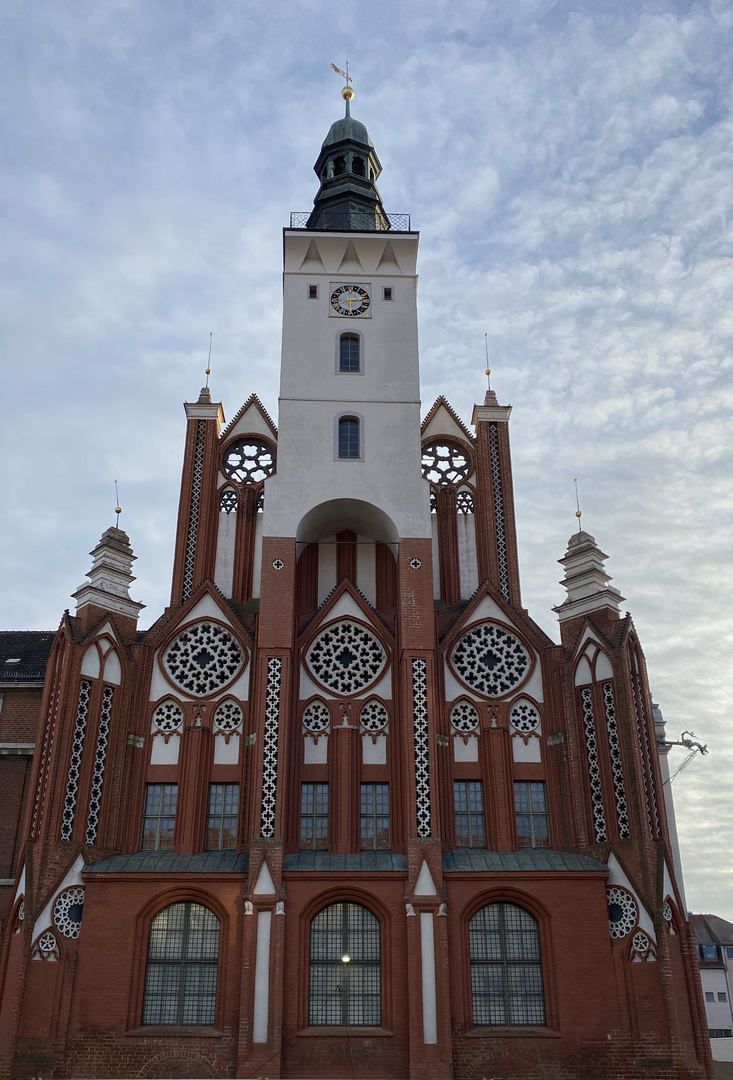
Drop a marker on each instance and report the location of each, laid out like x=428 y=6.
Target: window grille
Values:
x=183 y=953
x=349 y=353
x=159 y=820
x=506 y=967
x=374 y=817
x=348 y=437
x=531 y=807
x=314 y=816
x=345 y=969
x=469 y=805
x=221 y=826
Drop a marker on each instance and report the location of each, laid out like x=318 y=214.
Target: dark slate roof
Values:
x=168 y=862
x=531 y=859
x=712 y=929
x=32 y=648
x=364 y=860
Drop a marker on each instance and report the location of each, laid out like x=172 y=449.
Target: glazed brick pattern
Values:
x=19 y=715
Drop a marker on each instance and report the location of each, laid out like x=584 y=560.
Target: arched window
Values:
x=345 y=970
x=349 y=352
x=357 y=166
x=348 y=437
x=506 y=967
x=183 y=954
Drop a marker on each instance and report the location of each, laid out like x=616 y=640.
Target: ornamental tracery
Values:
x=203 y=659
x=228 y=501
x=490 y=659
x=346 y=657
x=228 y=715
x=445 y=462
x=373 y=716
x=249 y=460
x=464 y=502
x=168 y=716
x=524 y=717
x=622 y=911
x=67 y=912
x=316 y=717
x=464 y=717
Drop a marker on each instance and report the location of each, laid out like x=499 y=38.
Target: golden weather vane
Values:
x=343 y=74
x=347 y=93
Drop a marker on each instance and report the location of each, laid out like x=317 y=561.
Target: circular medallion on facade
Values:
x=346 y=657
x=667 y=912
x=373 y=716
x=415 y=564
x=445 y=463
x=21 y=911
x=316 y=717
x=277 y=564
x=524 y=717
x=67 y=912
x=228 y=716
x=622 y=912
x=47 y=942
x=641 y=942
x=203 y=659
x=249 y=461
x=168 y=716
x=490 y=659
x=464 y=716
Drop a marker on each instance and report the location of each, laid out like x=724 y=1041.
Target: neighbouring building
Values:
x=345 y=809
x=714 y=938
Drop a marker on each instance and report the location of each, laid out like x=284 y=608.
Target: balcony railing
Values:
x=352 y=221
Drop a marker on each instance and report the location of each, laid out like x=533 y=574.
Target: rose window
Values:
x=316 y=717
x=168 y=716
x=249 y=461
x=445 y=463
x=490 y=660
x=524 y=717
x=464 y=716
x=203 y=659
x=622 y=912
x=373 y=716
x=67 y=912
x=346 y=657
x=641 y=942
x=21 y=911
x=228 y=716
x=667 y=912
x=47 y=942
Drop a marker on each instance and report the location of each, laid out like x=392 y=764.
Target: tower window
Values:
x=183 y=955
x=314 y=816
x=345 y=967
x=312 y=292
x=348 y=437
x=159 y=821
x=339 y=166
x=221 y=825
x=387 y=293
x=531 y=807
x=357 y=166
x=349 y=352
x=374 y=816
x=506 y=967
x=469 y=803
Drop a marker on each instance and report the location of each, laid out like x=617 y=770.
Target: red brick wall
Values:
x=19 y=715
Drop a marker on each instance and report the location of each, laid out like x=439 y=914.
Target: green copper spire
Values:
x=348 y=167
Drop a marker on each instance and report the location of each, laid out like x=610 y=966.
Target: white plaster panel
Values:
x=249 y=423
x=224 y=567
x=454 y=689
x=326 y=568
x=90 y=663
x=444 y=425
x=467 y=558
x=239 y=689
x=529 y=751
x=162 y=752
x=257 y=566
x=207 y=608
x=265 y=886
x=107 y=629
x=533 y=686
x=70 y=880
x=489 y=609
x=262 y=978
x=226 y=753
x=603 y=667
x=583 y=673
x=315 y=752
x=366 y=569
x=374 y=751
x=616 y=876
x=425 y=886
x=429 y=995
x=436 y=554
x=159 y=685
x=588 y=635
x=112 y=668
x=668 y=886
x=465 y=751
x=345 y=607
x=20 y=887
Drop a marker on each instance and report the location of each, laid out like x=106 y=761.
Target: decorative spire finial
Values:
x=347 y=93
x=578 y=511
x=118 y=508
x=208 y=363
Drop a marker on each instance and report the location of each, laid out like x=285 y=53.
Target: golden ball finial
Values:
x=118 y=509
x=347 y=93
x=208 y=371
x=488 y=371
x=578 y=513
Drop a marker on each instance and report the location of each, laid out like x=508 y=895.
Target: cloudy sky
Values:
x=570 y=167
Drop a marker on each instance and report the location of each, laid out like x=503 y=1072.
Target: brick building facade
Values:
x=345 y=809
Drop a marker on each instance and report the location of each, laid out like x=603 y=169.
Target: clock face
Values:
x=349 y=300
